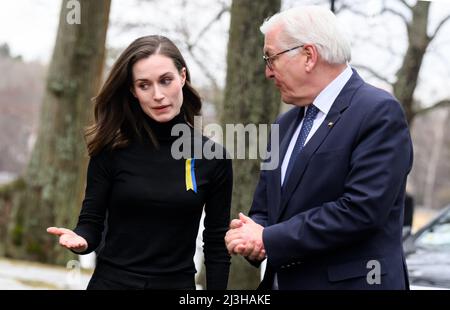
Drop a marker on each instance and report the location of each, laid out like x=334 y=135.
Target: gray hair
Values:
x=314 y=25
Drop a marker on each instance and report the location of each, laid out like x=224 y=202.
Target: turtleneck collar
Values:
x=163 y=131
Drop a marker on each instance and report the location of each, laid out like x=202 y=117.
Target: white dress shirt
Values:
x=323 y=102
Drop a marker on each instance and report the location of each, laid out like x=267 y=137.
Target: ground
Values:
x=22 y=275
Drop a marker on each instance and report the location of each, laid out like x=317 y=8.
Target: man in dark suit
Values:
x=330 y=215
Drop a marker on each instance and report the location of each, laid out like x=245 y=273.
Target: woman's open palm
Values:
x=69 y=239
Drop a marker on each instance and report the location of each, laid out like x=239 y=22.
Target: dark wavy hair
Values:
x=118 y=116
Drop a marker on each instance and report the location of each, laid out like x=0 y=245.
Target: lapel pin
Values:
x=330 y=124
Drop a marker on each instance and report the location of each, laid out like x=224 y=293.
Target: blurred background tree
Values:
x=399 y=60
x=420 y=33
x=50 y=191
x=249 y=98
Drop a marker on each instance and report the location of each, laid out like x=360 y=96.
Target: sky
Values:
x=29 y=27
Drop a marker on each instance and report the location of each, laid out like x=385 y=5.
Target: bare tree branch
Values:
x=343 y=5
x=352 y=9
x=124 y=27
x=385 y=9
x=405 y=4
x=373 y=72
x=192 y=45
x=439 y=26
x=338 y=10
x=440 y=104
x=442 y=57
x=386 y=46
x=216 y=18
x=394 y=12
x=203 y=67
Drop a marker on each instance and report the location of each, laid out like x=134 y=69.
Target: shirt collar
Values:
x=328 y=95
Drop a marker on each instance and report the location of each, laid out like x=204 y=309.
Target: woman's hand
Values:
x=69 y=239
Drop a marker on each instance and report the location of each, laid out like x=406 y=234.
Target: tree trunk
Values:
x=54 y=179
x=407 y=75
x=433 y=161
x=249 y=99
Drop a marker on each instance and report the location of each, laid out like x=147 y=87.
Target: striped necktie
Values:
x=307 y=124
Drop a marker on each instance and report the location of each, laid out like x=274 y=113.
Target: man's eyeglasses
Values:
x=269 y=59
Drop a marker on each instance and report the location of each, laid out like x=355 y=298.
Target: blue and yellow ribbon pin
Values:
x=190 y=175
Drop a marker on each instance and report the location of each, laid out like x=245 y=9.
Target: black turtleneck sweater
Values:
x=152 y=220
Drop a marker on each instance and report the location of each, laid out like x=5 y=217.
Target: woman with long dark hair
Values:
x=152 y=200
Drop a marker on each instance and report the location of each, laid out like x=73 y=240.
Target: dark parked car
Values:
x=428 y=254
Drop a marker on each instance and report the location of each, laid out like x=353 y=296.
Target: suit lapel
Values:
x=275 y=179
x=339 y=106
